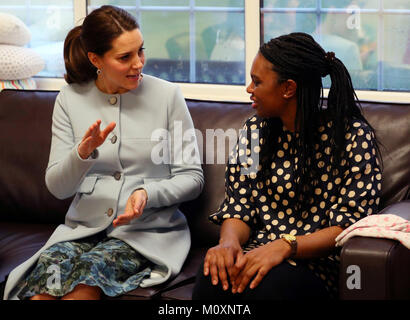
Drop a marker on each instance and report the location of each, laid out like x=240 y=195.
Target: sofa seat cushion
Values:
x=18 y=242
x=180 y=293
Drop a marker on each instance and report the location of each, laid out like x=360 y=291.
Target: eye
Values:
x=125 y=57
x=256 y=81
x=141 y=51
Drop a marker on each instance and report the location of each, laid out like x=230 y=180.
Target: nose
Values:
x=138 y=62
x=249 y=88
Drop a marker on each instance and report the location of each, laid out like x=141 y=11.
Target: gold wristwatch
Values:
x=291 y=240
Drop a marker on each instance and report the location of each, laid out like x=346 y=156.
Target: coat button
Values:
x=117 y=175
x=113 y=139
x=113 y=100
x=94 y=154
x=110 y=212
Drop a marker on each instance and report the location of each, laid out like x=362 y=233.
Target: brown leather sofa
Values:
x=29 y=213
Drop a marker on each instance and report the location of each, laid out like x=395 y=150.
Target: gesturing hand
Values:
x=93 y=138
x=133 y=209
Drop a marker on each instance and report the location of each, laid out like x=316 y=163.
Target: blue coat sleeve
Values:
x=65 y=169
x=186 y=179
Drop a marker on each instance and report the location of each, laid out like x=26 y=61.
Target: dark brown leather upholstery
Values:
x=29 y=213
x=383 y=264
x=392 y=125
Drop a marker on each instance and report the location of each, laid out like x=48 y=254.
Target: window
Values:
x=371 y=37
x=49 y=24
x=208 y=45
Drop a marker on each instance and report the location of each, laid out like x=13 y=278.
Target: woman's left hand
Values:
x=257 y=263
x=133 y=209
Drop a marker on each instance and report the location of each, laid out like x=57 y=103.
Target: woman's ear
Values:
x=289 y=88
x=94 y=59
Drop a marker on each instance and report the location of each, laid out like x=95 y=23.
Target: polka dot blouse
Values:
x=269 y=205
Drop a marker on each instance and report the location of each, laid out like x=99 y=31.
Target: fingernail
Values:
x=214 y=282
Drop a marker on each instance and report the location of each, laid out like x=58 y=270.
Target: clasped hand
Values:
x=228 y=259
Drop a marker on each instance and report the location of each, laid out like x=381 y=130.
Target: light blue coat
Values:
x=126 y=161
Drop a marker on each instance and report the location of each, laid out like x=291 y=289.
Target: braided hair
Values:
x=299 y=57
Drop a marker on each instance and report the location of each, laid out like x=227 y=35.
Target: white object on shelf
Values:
x=19 y=63
x=13 y=31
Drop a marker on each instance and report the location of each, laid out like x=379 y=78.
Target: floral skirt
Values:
x=108 y=263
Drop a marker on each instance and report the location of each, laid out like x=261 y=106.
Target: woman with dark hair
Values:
x=318 y=173
x=123 y=228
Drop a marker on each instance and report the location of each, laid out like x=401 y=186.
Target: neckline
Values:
x=287 y=131
x=104 y=94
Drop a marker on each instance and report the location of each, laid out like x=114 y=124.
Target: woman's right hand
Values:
x=93 y=138
x=219 y=261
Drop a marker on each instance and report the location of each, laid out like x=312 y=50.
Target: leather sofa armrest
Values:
x=376 y=268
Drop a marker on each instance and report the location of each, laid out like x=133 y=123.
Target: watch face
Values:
x=289 y=237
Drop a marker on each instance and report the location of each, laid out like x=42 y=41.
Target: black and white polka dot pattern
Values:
x=271 y=207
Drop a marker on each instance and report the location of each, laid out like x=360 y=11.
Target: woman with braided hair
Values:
x=315 y=172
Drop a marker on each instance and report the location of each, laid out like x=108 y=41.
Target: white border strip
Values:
x=80 y=11
x=252 y=38
x=227 y=93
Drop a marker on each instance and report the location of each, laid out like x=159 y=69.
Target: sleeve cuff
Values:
x=94 y=155
x=151 y=194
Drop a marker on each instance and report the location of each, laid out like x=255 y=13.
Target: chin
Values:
x=134 y=87
x=131 y=87
x=265 y=113
x=260 y=113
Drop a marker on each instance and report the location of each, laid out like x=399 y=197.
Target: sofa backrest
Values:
x=25 y=136
x=392 y=127
x=209 y=117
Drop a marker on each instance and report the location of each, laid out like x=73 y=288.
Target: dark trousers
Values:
x=283 y=282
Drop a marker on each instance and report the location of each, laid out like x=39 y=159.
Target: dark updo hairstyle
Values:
x=299 y=57
x=96 y=34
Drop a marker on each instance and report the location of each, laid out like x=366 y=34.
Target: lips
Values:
x=254 y=104
x=137 y=77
